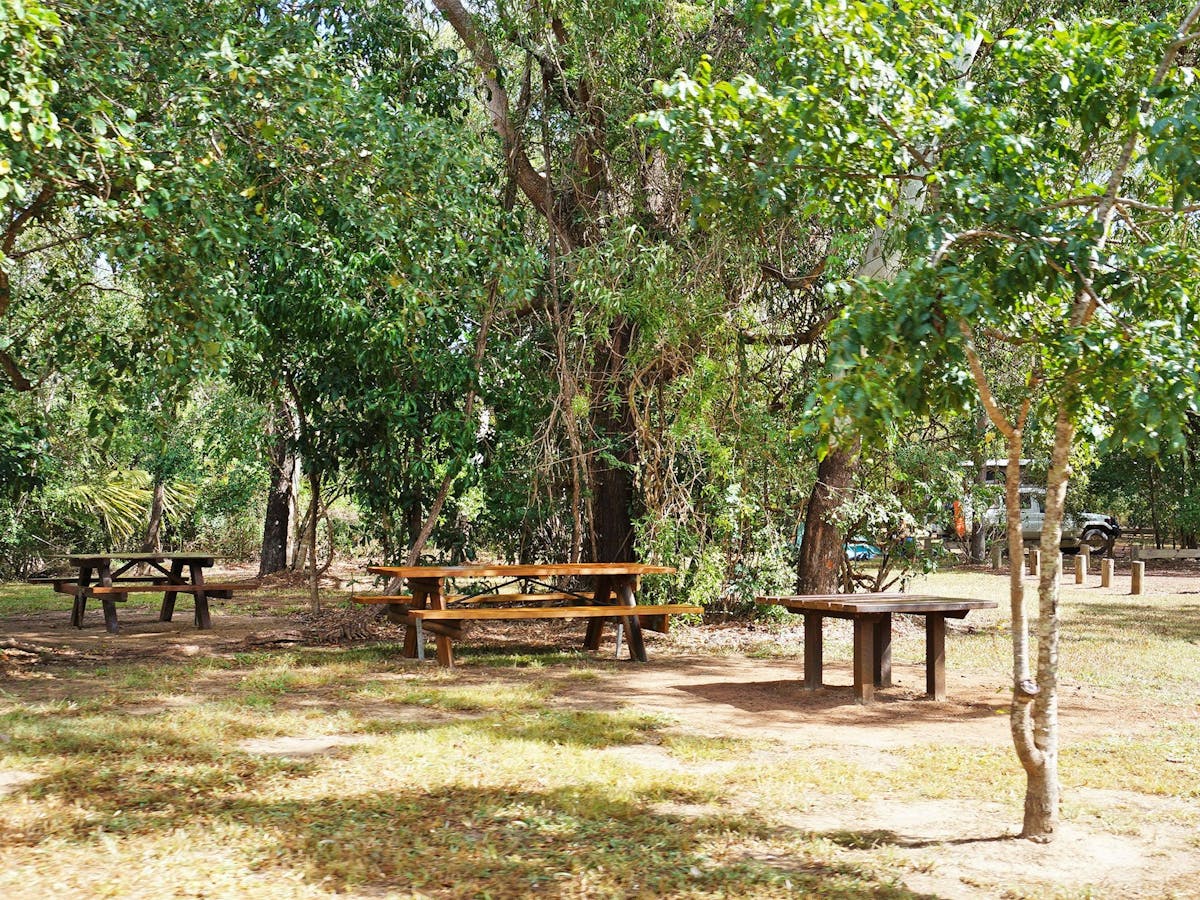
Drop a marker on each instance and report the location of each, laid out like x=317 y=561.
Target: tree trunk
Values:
x=1042 y=787
x=281 y=463
x=152 y=542
x=612 y=470
x=822 y=547
x=314 y=483
x=977 y=548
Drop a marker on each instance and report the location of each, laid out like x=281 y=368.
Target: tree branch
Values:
x=794 y=282
x=531 y=182
x=794 y=339
x=18 y=380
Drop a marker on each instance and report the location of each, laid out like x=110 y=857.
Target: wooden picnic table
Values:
x=614 y=586
x=872 y=617
x=98 y=578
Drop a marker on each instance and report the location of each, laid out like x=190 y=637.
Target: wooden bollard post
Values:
x=1080 y=569
x=1138 y=570
x=1107 y=566
x=997 y=550
x=1035 y=561
x=1085 y=553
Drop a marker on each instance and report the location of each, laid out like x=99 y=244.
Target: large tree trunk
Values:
x=822 y=547
x=281 y=463
x=612 y=471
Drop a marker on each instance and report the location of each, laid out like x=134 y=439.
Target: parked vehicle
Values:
x=1096 y=530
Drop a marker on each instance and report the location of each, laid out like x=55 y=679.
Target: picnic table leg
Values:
x=864 y=658
x=595 y=627
x=883 y=651
x=633 y=625
x=431 y=591
x=935 y=656
x=168 y=604
x=413 y=636
x=77 y=608
x=203 y=620
x=107 y=602
x=813 y=650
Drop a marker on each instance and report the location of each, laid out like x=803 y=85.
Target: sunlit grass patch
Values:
x=1165 y=762
x=19 y=599
x=461 y=698
x=525 y=658
x=698 y=748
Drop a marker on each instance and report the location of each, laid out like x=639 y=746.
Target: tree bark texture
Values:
x=152 y=542
x=281 y=463
x=1042 y=786
x=821 y=549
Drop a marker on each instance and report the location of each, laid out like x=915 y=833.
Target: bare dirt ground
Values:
x=1112 y=843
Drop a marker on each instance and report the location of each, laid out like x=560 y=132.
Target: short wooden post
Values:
x=1081 y=568
x=882 y=664
x=1107 y=566
x=935 y=656
x=997 y=550
x=1035 y=561
x=1085 y=551
x=813 y=651
x=864 y=659
x=1138 y=571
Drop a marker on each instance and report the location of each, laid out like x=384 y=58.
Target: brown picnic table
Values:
x=98 y=578
x=430 y=607
x=872 y=618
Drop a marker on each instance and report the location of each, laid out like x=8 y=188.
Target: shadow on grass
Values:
x=473 y=842
x=1107 y=621
x=143 y=779
x=874 y=838
x=890 y=705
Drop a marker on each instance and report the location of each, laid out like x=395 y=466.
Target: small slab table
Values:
x=872 y=617
x=613 y=588
x=96 y=571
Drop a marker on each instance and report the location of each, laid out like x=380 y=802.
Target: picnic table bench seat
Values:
x=464 y=599
x=449 y=622
x=431 y=607
x=211 y=588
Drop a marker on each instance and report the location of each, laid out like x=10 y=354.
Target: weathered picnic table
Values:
x=872 y=617
x=428 y=606
x=97 y=578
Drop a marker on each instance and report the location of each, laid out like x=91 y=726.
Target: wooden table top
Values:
x=519 y=571
x=77 y=559
x=856 y=604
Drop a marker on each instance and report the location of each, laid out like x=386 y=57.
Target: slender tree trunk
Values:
x=281 y=465
x=978 y=543
x=822 y=547
x=152 y=542
x=1042 y=786
x=314 y=484
x=1154 y=519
